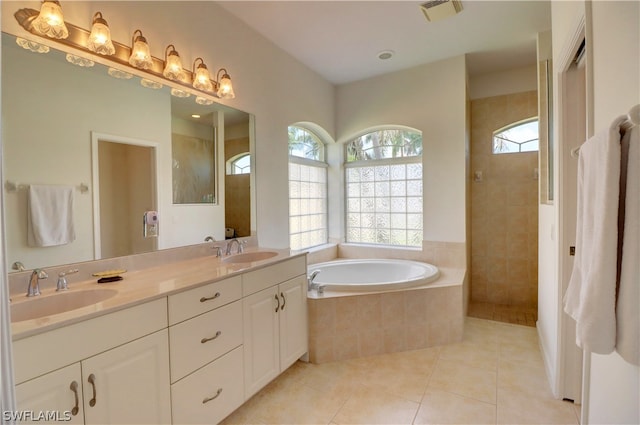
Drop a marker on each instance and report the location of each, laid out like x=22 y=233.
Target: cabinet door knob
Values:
x=74 y=387
x=216 y=395
x=278 y=301
x=284 y=301
x=203 y=340
x=92 y=381
x=216 y=295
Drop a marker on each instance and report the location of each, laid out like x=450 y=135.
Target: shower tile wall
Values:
x=504 y=207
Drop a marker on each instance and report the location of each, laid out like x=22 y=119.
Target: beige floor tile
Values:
x=479 y=384
x=524 y=377
x=479 y=355
x=440 y=407
x=495 y=375
x=370 y=405
x=521 y=408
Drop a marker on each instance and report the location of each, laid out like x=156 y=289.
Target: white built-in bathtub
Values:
x=371 y=274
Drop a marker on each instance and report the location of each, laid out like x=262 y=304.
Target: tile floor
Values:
x=504 y=313
x=494 y=376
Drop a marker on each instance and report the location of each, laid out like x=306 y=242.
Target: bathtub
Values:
x=371 y=274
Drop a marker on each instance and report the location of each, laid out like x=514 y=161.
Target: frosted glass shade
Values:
x=140 y=54
x=202 y=79
x=50 y=21
x=225 y=88
x=173 y=69
x=100 y=38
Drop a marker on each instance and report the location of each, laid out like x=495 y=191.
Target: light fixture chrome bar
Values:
x=78 y=38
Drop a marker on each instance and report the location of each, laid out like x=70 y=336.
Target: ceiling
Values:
x=340 y=40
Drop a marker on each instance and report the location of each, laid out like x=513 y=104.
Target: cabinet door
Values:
x=293 y=321
x=129 y=384
x=57 y=393
x=261 y=336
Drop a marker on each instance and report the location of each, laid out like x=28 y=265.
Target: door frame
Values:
x=96 y=137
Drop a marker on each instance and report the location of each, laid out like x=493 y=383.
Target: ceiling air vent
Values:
x=436 y=10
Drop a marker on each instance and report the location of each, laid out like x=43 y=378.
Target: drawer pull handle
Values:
x=74 y=387
x=203 y=340
x=204 y=299
x=208 y=399
x=92 y=381
x=284 y=301
x=278 y=301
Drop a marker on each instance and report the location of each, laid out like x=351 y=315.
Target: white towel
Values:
x=50 y=215
x=591 y=296
x=628 y=310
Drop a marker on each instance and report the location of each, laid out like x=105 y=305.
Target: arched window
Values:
x=307 y=190
x=521 y=136
x=239 y=164
x=383 y=177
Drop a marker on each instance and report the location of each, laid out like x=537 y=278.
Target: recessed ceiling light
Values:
x=195 y=116
x=385 y=54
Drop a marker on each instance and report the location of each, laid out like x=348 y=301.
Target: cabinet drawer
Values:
x=198 y=341
x=210 y=394
x=205 y=298
x=260 y=279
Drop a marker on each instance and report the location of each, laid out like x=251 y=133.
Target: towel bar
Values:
x=15 y=187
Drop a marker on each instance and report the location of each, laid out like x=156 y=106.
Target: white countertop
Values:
x=141 y=286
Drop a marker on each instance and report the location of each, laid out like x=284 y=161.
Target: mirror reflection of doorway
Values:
x=124 y=190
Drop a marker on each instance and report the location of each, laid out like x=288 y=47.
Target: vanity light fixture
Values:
x=50 y=21
x=118 y=73
x=201 y=76
x=204 y=101
x=100 y=37
x=225 y=88
x=179 y=93
x=140 y=53
x=150 y=84
x=173 y=69
x=81 y=62
x=32 y=45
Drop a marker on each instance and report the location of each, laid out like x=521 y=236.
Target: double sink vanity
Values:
x=183 y=342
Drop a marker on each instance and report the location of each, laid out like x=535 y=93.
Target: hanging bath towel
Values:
x=50 y=215
x=591 y=296
x=628 y=308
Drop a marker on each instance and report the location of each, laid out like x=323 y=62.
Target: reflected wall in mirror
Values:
x=193 y=161
x=50 y=109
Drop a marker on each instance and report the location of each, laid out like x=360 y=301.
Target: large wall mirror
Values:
x=117 y=143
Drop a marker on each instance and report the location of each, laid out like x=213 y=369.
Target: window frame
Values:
x=372 y=162
x=308 y=162
x=513 y=125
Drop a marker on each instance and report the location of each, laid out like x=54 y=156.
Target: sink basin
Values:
x=58 y=302
x=249 y=257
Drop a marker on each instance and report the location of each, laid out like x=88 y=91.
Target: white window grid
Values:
x=308 y=212
x=384 y=202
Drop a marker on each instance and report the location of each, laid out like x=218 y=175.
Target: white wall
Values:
x=512 y=81
x=612 y=386
x=268 y=82
x=614 y=390
x=430 y=98
x=47 y=139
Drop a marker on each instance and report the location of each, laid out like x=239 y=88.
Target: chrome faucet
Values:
x=34 y=282
x=310 y=284
x=240 y=246
x=214 y=246
x=62 y=280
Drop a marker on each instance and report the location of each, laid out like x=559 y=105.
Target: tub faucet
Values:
x=230 y=243
x=310 y=284
x=34 y=282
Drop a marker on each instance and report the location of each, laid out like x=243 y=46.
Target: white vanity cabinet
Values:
x=59 y=392
x=206 y=352
x=275 y=321
x=101 y=372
